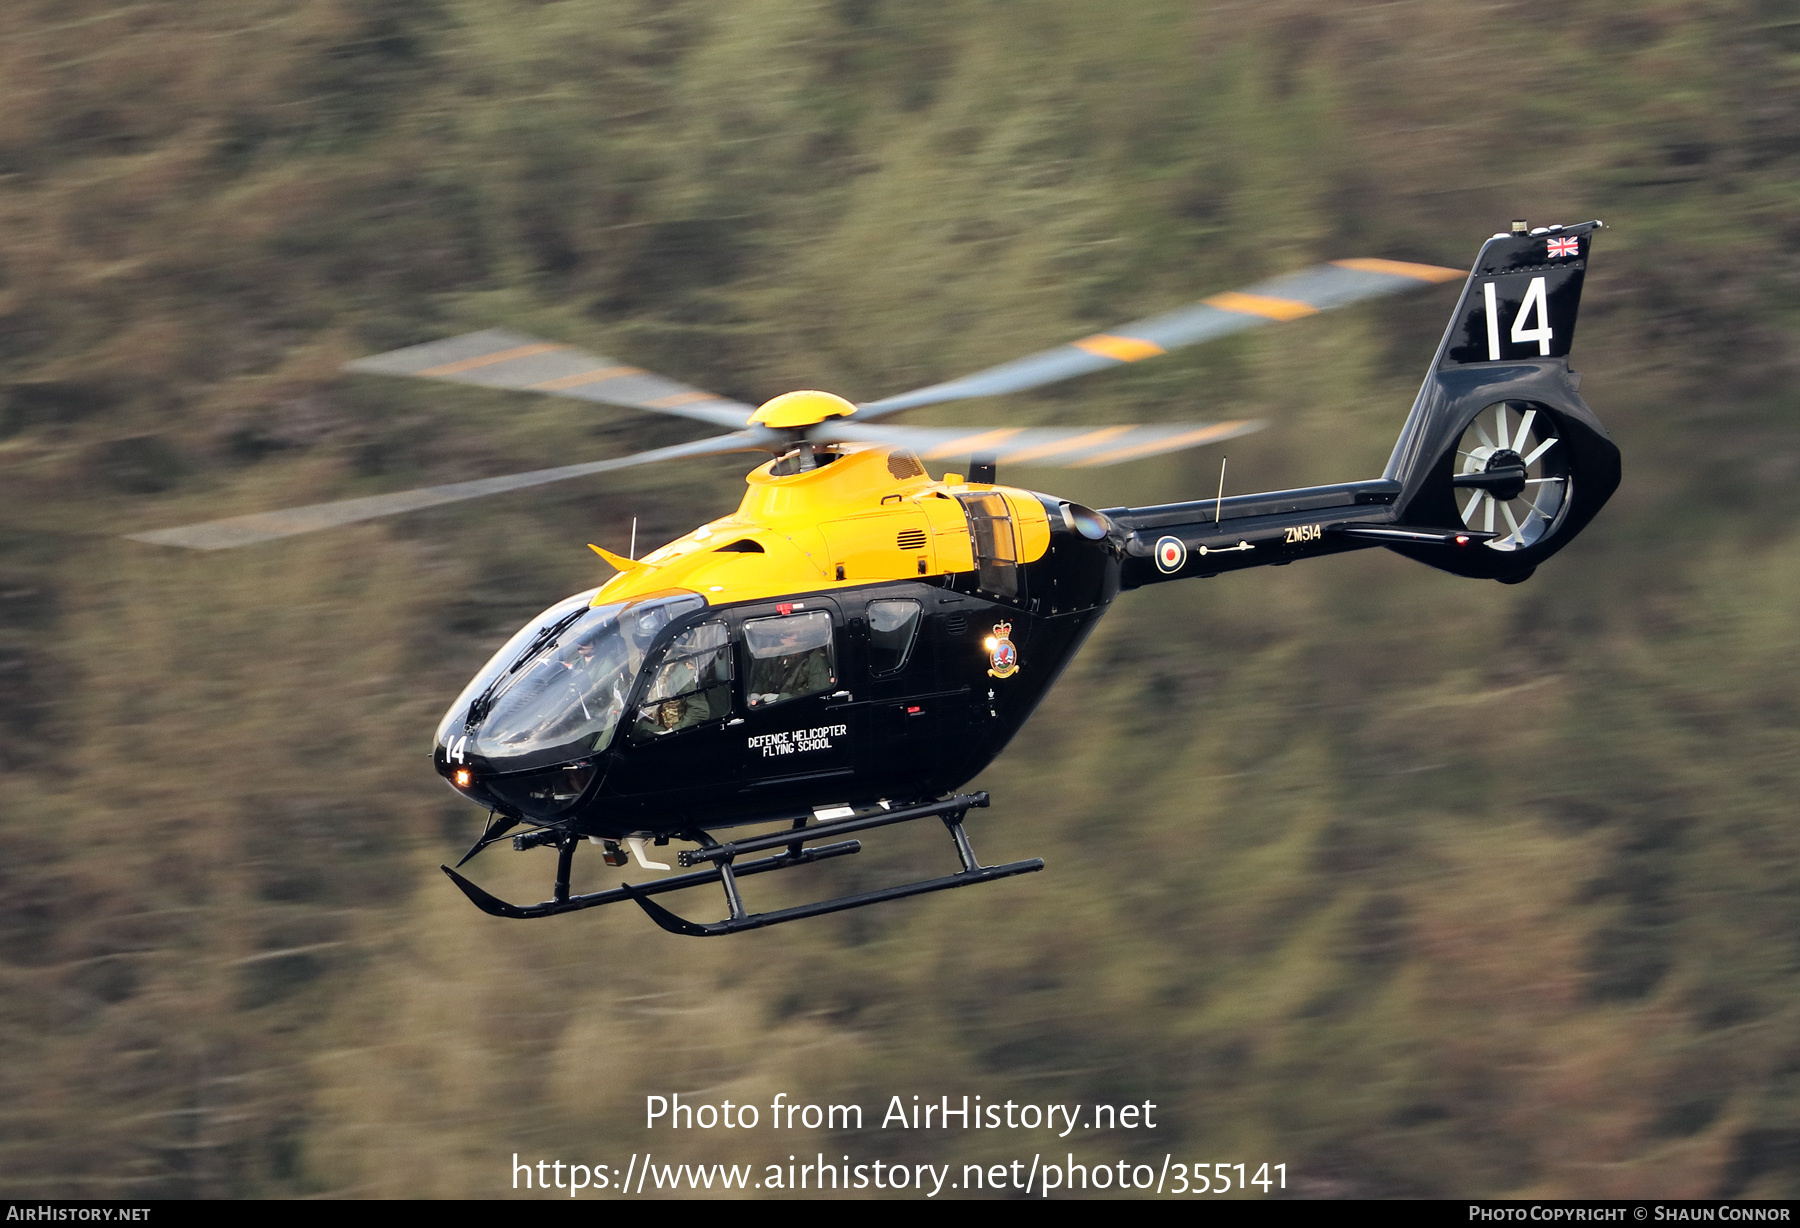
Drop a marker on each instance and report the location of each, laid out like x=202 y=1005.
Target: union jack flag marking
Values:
x=1564 y=247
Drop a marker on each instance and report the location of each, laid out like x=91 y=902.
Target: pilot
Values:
x=589 y=670
x=668 y=715
x=673 y=714
x=797 y=671
x=689 y=704
x=578 y=658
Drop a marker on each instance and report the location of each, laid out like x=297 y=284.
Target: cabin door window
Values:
x=996 y=549
x=893 y=626
x=790 y=657
x=800 y=721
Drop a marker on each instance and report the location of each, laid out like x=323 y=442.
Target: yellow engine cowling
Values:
x=870 y=515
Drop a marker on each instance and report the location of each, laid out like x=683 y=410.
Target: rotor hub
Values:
x=1508 y=469
x=801 y=409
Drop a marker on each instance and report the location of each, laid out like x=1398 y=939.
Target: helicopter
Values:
x=857 y=641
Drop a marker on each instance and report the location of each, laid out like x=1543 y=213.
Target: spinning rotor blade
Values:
x=1077 y=447
x=264 y=526
x=1288 y=297
x=496 y=358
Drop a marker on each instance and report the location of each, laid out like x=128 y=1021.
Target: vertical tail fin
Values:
x=1498 y=438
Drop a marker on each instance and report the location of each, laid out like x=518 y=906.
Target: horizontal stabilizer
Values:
x=1387 y=534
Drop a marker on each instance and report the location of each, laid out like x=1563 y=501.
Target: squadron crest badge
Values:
x=1003 y=658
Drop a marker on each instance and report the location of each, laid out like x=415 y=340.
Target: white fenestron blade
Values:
x=1524 y=430
x=1518 y=534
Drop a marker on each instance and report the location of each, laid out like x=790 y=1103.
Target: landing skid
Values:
x=726 y=870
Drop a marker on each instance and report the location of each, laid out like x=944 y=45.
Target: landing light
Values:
x=990 y=643
x=463 y=777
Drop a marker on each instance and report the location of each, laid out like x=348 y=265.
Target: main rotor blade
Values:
x=1288 y=297
x=265 y=526
x=496 y=358
x=1078 y=447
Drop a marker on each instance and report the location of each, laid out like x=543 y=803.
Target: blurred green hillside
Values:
x=1422 y=886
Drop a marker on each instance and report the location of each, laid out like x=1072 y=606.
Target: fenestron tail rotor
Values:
x=498 y=358
x=1512 y=475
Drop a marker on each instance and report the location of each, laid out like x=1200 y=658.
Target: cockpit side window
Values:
x=691 y=685
x=642 y=622
x=790 y=657
x=893 y=625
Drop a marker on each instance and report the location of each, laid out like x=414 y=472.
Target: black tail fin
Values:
x=1499 y=439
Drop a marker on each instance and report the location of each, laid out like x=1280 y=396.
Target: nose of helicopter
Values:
x=529 y=731
x=535 y=794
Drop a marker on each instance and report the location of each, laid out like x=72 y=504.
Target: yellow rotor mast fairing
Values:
x=798 y=409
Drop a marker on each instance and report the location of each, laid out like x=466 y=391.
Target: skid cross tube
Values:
x=565 y=856
x=494 y=906
x=755 y=921
x=726 y=869
x=755 y=844
x=951 y=811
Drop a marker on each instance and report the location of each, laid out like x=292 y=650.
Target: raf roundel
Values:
x=1171 y=553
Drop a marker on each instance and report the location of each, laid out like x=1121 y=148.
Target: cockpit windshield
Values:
x=557 y=689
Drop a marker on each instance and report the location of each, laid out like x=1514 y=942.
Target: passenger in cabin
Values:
x=790 y=657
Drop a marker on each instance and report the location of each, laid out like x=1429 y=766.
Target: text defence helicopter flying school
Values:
x=857 y=641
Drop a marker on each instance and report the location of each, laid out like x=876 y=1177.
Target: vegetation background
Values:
x=1422 y=886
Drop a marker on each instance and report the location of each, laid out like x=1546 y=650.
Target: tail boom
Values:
x=1499 y=465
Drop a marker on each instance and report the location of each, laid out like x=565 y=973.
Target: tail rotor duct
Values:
x=1512 y=474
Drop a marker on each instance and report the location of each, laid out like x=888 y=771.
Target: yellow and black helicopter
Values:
x=857 y=641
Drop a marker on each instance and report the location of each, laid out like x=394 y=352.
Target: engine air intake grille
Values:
x=911 y=539
x=903 y=464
